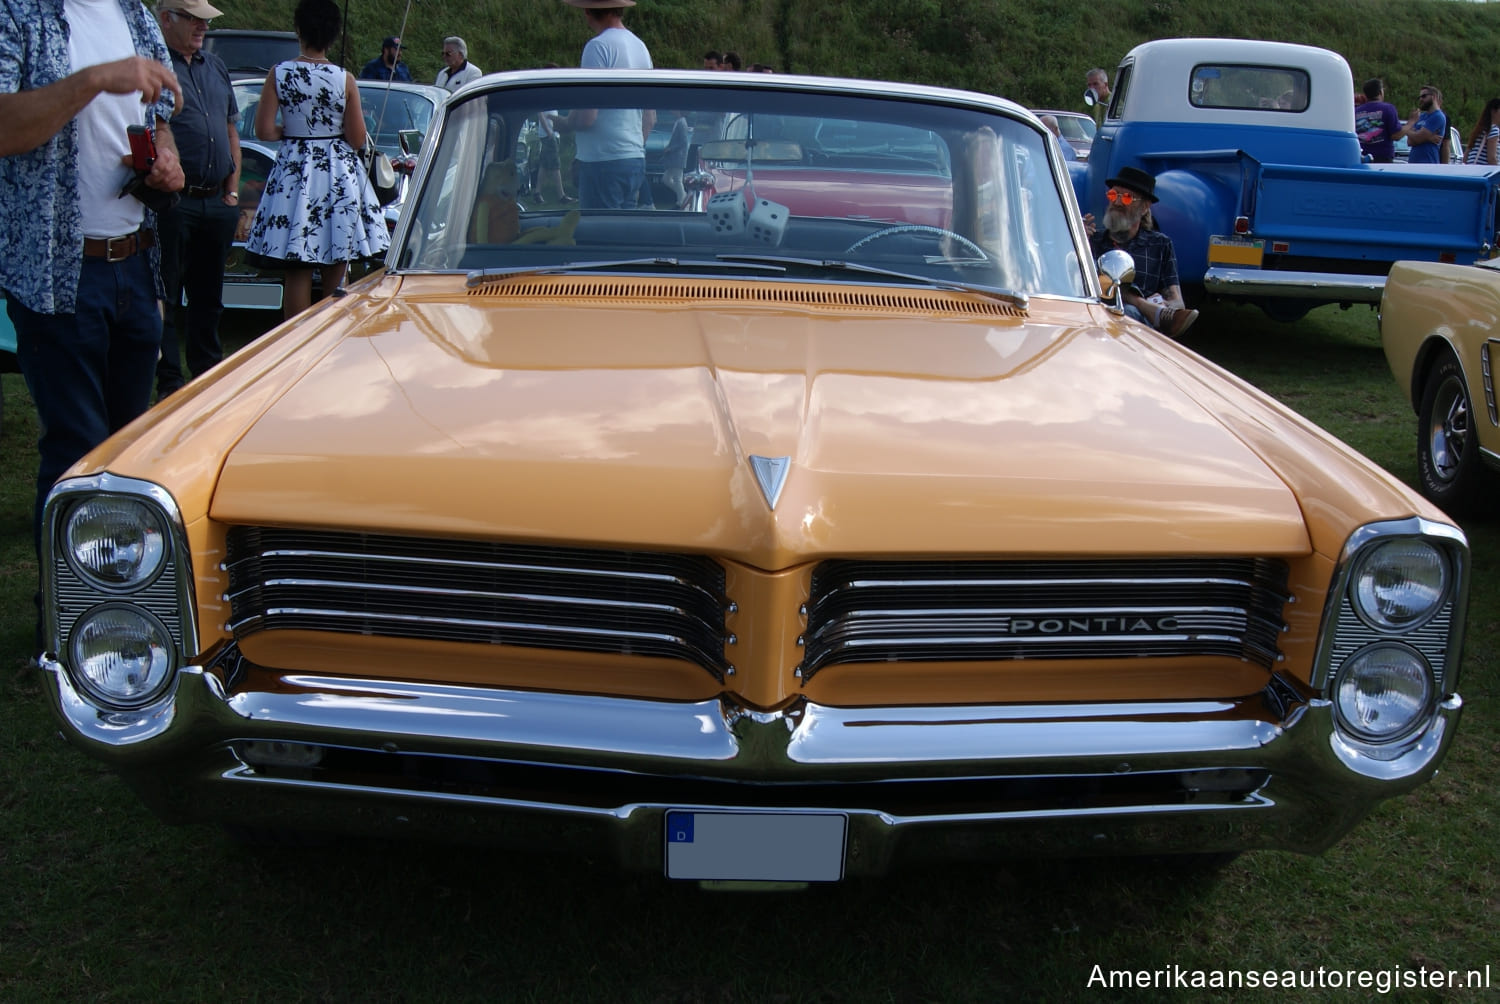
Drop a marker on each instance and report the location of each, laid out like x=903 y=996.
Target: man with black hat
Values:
x=611 y=152
x=1156 y=294
x=387 y=65
x=197 y=233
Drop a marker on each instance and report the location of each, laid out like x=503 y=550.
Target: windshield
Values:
x=923 y=191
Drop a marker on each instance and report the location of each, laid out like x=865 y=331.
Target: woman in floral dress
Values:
x=318 y=208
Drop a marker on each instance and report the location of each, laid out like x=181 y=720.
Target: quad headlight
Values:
x=1389 y=654
x=1383 y=692
x=1400 y=584
x=117 y=588
x=121 y=654
x=115 y=543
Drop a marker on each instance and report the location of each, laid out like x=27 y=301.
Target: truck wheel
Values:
x=1451 y=471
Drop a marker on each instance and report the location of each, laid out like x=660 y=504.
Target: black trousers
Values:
x=196 y=235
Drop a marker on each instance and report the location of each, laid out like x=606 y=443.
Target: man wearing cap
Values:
x=387 y=65
x=611 y=151
x=79 y=269
x=457 y=70
x=197 y=233
x=1156 y=294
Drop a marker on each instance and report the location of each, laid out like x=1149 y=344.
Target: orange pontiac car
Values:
x=744 y=544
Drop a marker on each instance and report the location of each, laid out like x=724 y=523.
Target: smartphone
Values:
x=142 y=147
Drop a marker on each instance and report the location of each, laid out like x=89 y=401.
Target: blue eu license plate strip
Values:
x=756 y=846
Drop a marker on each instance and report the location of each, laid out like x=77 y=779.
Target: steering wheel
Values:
x=919 y=228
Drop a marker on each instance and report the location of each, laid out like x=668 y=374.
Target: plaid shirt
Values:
x=39 y=210
x=1155 y=261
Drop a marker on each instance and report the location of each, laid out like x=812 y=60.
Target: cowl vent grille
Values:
x=624 y=602
x=831 y=297
x=888 y=611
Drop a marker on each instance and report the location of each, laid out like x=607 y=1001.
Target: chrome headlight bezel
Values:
x=69 y=592
x=1435 y=632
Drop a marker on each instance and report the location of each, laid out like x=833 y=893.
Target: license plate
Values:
x=252 y=295
x=1243 y=251
x=784 y=846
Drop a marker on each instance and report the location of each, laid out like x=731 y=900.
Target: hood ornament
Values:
x=770 y=474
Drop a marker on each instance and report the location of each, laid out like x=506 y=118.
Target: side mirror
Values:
x=1116 y=271
x=1091 y=97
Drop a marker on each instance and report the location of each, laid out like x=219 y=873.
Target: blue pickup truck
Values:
x=1262 y=185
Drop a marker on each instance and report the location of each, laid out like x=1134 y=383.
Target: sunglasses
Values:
x=1119 y=195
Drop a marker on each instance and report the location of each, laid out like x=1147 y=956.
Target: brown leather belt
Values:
x=118 y=248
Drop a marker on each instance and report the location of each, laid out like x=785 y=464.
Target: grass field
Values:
x=98 y=901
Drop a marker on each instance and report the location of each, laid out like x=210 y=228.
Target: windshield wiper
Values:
x=479 y=277
x=839 y=265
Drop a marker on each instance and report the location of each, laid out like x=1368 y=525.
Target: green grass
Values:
x=99 y=901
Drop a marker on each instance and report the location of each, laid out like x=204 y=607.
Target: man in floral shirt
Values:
x=80 y=271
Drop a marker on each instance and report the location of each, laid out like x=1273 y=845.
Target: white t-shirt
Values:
x=616 y=135
x=98 y=34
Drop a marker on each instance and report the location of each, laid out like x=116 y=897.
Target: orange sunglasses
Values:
x=1121 y=196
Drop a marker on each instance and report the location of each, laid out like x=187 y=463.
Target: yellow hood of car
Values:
x=633 y=421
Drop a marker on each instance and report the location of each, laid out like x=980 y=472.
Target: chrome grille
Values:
x=886 y=611
x=624 y=602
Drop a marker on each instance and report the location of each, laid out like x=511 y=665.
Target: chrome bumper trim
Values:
x=187 y=756
x=540 y=727
x=1295 y=285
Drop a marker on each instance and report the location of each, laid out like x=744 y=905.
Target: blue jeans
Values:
x=610 y=184
x=89 y=372
x=196 y=235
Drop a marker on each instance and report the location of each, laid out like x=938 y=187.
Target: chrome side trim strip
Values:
x=1487 y=377
x=1298 y=285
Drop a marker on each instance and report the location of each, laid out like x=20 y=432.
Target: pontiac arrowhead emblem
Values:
x=770 y=474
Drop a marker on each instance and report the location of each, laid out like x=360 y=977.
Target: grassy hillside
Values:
x=1035 y=51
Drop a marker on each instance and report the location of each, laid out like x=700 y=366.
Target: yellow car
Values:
x=837 y=520
x=1437 y=324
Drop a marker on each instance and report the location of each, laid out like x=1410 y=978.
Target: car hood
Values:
x=951 y=427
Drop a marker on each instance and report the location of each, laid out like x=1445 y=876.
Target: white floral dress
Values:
x=318 y=206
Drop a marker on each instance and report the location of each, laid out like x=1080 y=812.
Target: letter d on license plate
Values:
x=756 y=846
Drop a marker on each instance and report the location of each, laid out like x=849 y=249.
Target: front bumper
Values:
x=596 y=774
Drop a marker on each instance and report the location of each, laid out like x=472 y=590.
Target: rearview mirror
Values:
x=758 y=151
